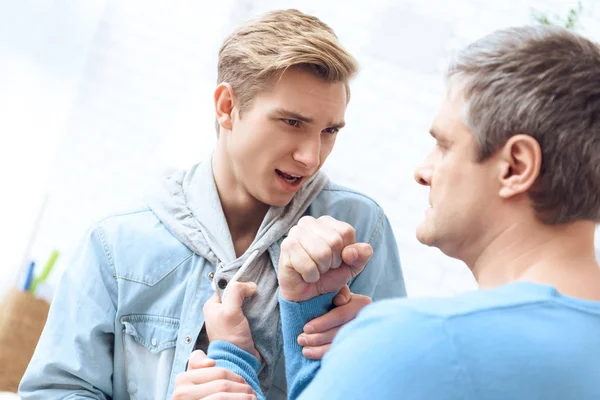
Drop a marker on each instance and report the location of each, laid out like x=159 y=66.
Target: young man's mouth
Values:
x=293 y=180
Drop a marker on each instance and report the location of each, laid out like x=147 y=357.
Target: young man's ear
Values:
x=520 y=160
x=224 y=105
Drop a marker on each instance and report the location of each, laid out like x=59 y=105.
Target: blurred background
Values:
x=100 y=97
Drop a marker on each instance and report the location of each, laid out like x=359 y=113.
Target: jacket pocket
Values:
x=149 y=347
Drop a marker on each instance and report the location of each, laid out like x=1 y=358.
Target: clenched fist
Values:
x=319 y=256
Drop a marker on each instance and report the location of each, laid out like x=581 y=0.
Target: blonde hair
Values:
x=264 y=48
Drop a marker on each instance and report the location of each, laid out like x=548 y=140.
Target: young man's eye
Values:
x=331 y=130
x=292 y=122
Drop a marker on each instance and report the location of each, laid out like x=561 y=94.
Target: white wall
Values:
x=99 y=97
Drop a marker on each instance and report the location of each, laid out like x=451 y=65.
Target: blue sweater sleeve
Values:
x=231 y=357
x=299 y=369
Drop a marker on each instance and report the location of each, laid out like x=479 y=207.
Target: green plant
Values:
x=570 y=22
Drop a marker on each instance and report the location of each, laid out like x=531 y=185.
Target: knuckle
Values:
x=306 y=220
x=336 y=242
x=294 y=232
x=229 y=315
x=314 y=339
x=347 y=229
x=322 y=254
x=221 y=373
x=225 y=386
x=287 y=244
x=326 y=218
x=237 y=378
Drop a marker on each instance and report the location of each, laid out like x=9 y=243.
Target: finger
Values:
x=356 y=256
x=237 y=292
x=344 y=229
x=228 y=389
x=332 y=254
x=315 y=247
x=200 y=360
x=302 y=263
x=343 y=297
x=211 y=307
x=318 y=339
x=214 y=299
x=338 y=316
x=205 y=375
x=315 y=353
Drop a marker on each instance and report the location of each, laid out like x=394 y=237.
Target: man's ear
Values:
x=224 y=105
x=520 y=163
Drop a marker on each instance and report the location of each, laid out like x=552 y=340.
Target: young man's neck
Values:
x=243 y=213
x=562 y=256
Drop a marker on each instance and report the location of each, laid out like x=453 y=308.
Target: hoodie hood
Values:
x=187 y=202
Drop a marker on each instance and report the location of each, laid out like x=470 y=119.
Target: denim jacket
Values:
x=128 y=310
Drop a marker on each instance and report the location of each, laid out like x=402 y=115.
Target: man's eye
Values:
x=331 y=130
x=291 y=122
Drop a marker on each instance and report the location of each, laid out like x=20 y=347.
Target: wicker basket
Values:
x=22 y=319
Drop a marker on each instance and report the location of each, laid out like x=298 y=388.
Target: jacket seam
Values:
x=117 y=276
x=106 y=251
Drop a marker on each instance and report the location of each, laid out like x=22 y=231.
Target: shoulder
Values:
x=410 y=341
x=405 y=346
x=138 y=245
x=472 y=304
x=341 y=196
x=351 y=206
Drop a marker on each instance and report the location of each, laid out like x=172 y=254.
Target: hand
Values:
x=203 y=380
x=226 y=320
x=319 y=256
x=319 y=333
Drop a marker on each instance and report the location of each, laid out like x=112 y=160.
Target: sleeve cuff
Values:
x=220 y=350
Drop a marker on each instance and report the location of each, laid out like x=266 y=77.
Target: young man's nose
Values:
x=308 y=153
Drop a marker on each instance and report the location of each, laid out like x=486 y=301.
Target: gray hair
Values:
x=542 y=81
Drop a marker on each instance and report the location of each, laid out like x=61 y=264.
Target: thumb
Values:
x=357 y=255
x=236 y=292
x=343 y=297
x=199 y=360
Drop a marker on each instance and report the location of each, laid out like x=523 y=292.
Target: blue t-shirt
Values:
x=519 y=341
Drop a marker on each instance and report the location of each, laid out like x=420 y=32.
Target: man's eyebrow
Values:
x=292 y=115
x=338 y=125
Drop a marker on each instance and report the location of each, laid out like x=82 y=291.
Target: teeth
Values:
x=289 y=177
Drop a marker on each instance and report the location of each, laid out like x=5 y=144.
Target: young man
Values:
x=514 y=182
x=128 y=312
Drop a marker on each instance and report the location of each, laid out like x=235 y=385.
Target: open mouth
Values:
x=289 y=178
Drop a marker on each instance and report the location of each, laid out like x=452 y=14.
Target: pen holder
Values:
x=22 y=319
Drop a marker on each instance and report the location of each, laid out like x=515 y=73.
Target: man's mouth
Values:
x=289 y=178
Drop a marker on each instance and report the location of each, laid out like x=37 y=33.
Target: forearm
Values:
x=231 y=357
x=300 y=370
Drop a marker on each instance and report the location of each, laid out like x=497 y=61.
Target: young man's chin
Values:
x=276 y=199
